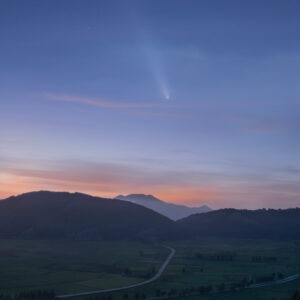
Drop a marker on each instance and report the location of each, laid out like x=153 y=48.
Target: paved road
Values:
x=276 y=282
x=155 y=277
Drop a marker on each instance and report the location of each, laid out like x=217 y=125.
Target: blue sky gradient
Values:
x=192 y=101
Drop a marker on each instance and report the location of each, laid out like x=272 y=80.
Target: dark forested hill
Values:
x=263 y=223
x=66 y=215
x=80 y=216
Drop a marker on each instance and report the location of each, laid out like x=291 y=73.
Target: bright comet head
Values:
x=165 y=90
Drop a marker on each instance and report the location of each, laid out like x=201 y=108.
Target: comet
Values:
x=154 y=60
x=149 y=49
x=165 y=93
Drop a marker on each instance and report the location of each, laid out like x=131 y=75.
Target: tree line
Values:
x=30 y=295
x=217 y=256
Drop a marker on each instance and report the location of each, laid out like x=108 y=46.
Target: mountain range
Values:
x=170 y=210
x=79 y=216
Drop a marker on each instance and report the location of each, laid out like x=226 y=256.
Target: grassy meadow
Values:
x=74 y=266
x=79 y=266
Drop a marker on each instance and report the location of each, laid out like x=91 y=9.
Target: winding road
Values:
x=159 y=273
x=155 y=277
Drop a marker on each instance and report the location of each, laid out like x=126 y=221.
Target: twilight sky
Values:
x=195 y=102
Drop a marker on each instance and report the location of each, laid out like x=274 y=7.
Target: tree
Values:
x=157 y=292
x=280 y=275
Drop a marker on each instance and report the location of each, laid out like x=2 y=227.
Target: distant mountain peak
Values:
x=170 y=210
x=206 y=207
x=138 y=197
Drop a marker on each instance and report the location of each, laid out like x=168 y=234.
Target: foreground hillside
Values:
x=79 y=216
x=241 y=224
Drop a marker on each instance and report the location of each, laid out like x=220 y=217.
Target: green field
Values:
x=77 y=266
x=74 y=266
x=207 y=271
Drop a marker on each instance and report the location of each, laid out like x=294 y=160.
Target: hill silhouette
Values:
x=73 y=215
x=262 y=223
x=170 y=210
x=80 y=216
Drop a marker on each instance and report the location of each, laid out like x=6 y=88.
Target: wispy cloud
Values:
x=100 y=102
x=107 y=179
x=98 y=178
x=258 y=124
x=269 y=126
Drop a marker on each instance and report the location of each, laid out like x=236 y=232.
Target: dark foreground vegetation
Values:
x=185 y=294
x=172 y=294
x=30 y=295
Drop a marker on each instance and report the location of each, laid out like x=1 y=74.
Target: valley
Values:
x=83 y=266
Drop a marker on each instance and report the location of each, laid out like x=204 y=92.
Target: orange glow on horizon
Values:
x=14 y=185
x=191 y=196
